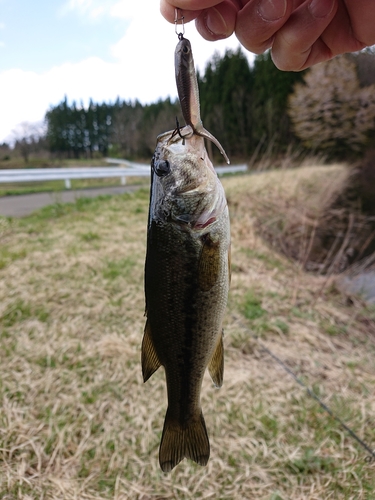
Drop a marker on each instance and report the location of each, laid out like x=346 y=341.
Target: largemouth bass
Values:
x=188 y=92
x=187 y=275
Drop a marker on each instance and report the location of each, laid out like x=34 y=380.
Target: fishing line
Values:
x=176 y=19
x=368 y=459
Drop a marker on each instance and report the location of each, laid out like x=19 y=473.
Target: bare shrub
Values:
x=330 y=111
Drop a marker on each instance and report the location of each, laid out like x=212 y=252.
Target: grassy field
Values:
x=76 y=420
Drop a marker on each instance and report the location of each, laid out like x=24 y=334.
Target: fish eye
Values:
x=185 y=49
x=162 y=168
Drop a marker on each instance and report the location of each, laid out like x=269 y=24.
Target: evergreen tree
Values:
x=57 y=134
x=126 y=129
x=129 y=128
x=270 y=101
x=225 y=92
x=157 y=118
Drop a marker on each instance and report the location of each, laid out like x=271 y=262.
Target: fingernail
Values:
x=272 y=10
x=215 y=22
x=321 y=8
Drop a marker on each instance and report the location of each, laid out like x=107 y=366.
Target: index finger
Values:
x=299 y=43
x=259 y=21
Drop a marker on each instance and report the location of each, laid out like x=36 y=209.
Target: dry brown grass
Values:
x=76 y=421
x=320 y=220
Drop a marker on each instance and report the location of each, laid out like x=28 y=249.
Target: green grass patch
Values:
x=90 y=236
x=269 y=259
x=115 y=268
x=252 y=306
x=310 y=463
x=21 y=310
x=8 y=255
x=281 y=325
x=334 y=329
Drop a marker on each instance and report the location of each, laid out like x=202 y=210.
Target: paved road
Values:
x=25 y=204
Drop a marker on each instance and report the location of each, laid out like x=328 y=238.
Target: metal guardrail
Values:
x=67 y=174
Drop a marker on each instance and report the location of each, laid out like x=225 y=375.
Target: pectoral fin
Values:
x=216 y=365
x=150 y=360
x=209 y=263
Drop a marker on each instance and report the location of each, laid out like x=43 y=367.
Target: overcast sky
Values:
x=84 y=49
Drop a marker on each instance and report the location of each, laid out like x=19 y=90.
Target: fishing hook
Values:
x=176 y=19
x=177 y=131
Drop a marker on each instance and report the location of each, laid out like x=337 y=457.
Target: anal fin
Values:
x=216 y=365
x=149 y=357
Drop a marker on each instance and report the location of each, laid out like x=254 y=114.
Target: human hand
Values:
x=300 y=33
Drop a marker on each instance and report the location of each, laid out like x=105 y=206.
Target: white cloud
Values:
x=142 y=66
x=124 y=9
x=26 y=96
x=85 y=8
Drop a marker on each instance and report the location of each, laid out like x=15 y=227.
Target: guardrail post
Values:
x=67 y=184
x=123 y=180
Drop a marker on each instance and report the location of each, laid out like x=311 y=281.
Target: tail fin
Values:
x=177 y=442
